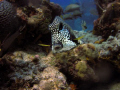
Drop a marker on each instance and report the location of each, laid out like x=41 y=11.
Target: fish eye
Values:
x=60 y=26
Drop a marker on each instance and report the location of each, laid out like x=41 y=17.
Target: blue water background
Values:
x=85 y=6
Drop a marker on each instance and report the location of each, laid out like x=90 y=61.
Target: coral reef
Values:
x=29 y=70
x=102 y=5
x=37 y=20
x=52 y=79
x=108 y=23
x=92 y=62
x=88 y=38
x=88 y=62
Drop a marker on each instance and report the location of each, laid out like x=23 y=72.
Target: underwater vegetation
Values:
x=40 y=51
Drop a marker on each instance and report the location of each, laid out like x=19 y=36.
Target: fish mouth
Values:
x=58 y=47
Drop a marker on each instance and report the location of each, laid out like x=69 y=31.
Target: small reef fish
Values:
x=67 y=16
x=61 y=35
x=79 y=37
x=72 y=7
x=77 y=13
x=83 y=25
x=72 y=15
x=44 y=45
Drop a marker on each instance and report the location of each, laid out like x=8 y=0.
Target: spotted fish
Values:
x=61 y=35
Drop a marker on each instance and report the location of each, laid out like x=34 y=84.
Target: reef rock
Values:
x=24 y=69
x=108 y=23
x=86 y=59
x=86 y=63
x=37 y=20
x=52 y=79
x=102 y=5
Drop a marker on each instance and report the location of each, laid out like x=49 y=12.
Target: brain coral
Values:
x=7 y=17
